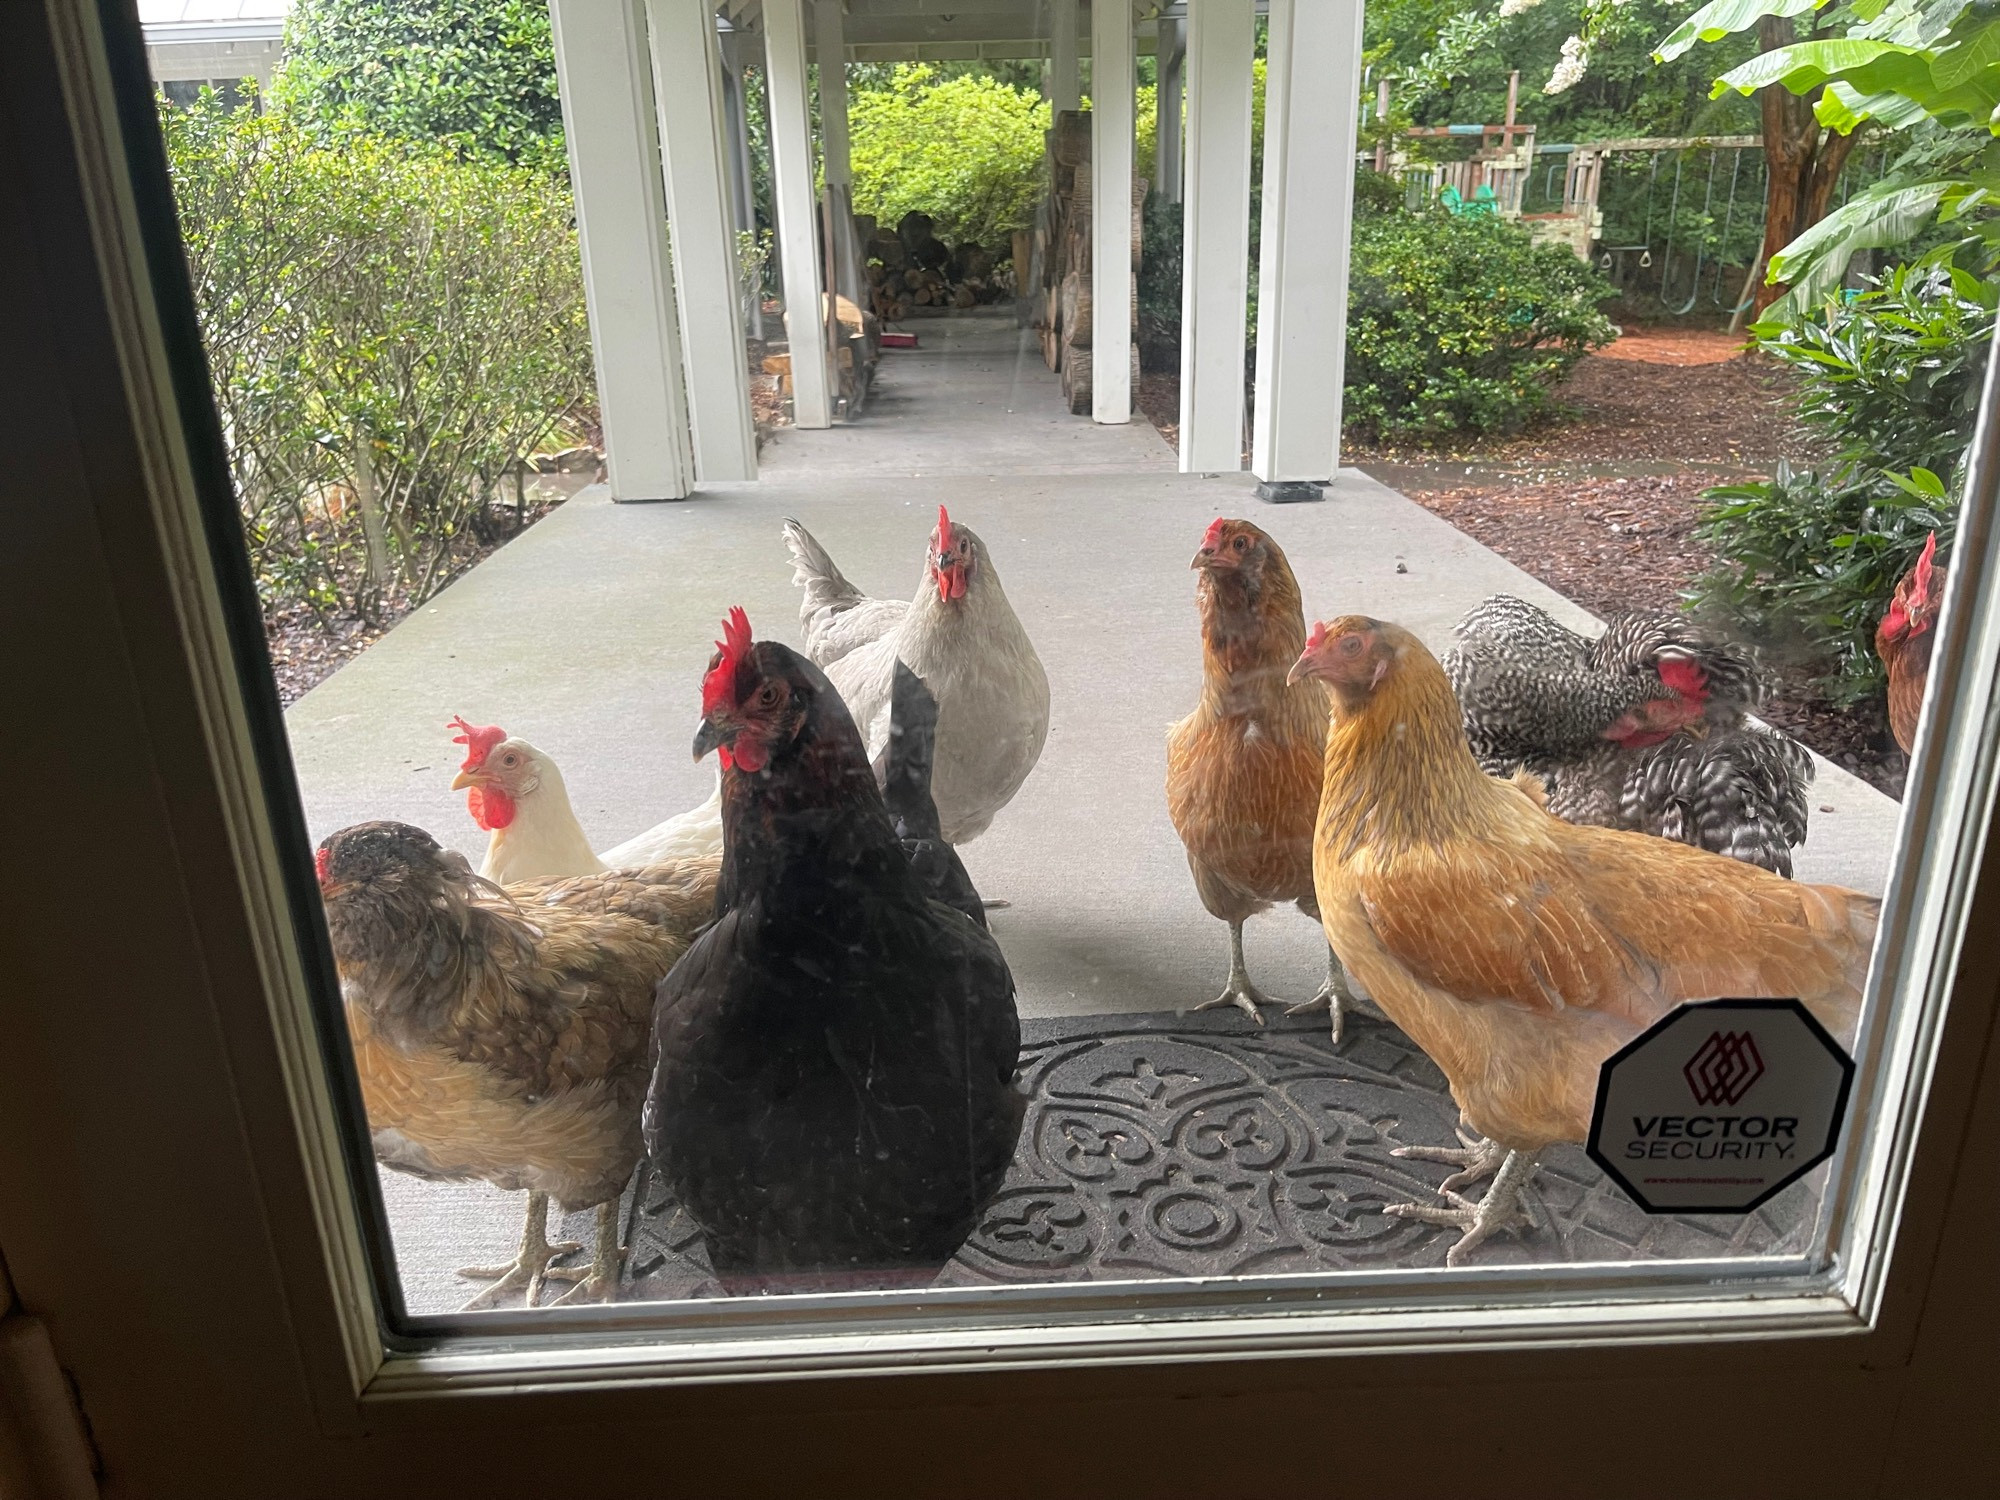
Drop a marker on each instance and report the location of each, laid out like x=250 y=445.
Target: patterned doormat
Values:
x=1197 y=1145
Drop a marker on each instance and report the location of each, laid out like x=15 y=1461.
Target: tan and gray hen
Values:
x=501 y=1034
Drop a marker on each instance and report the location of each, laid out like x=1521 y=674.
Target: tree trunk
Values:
x=374 y=540
x=1802 y=162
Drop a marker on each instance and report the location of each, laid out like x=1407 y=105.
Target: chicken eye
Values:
x=767 y=695
x=1241 y=544
x=1351 y=645
x=510 y=759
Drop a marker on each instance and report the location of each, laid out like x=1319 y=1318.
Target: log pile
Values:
x=1061 y=311
x=909 y=267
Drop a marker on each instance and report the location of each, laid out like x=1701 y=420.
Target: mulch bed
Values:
x=307 y=648
x=1685 y=396
x=1609 y=544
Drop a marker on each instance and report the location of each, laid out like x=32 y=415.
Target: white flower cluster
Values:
x=1569 y=72
x=1515 y=7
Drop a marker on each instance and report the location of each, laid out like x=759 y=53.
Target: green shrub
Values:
x=1811 y=561
x=480 y=74
x=966 y=150
x=1160 y=285
x=1891 y=377
x=1891 y=380
x=389 y=330
x=1377 y=192
x=1458 y=326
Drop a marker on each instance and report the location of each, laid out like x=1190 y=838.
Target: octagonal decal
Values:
x=1720 y=1105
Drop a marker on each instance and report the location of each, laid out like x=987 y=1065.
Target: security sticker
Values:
x=1720 y=1105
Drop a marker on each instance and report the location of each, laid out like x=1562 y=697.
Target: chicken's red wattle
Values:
x=490 y=807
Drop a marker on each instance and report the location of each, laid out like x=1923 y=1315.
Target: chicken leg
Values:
x=1238 y=990
x=531 y=1266
x=1500 y=1209
x=1333 y=996
x=601 y=1284
x=1479 y=1159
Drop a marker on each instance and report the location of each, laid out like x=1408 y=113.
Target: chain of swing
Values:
x=1708 y=259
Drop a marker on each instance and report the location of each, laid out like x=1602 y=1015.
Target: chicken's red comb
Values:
x=718 y=688
x=1318 y=637
x=478 y=739
x=1684 y=675
x=944 y=530
x=1213 y=536
x=1923 y=568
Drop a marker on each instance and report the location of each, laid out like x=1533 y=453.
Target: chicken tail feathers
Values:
x=1742 y=794
x=827 y=591
x=906 y=792
x=906 y=788
x=1844 y=922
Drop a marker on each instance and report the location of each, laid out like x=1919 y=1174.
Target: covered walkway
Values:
x=973 y=397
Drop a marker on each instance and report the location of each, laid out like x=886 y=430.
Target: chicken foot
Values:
x=1500 y=1209
x=531 y=1267
x=1479 y=1159
x=601 y=1283
x=1333 y=996
x=1238 y=990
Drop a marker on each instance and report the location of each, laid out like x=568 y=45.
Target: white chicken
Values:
x=516 y=794
x=960 y=635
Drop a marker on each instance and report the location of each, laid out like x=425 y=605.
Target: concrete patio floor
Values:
x=589 y=634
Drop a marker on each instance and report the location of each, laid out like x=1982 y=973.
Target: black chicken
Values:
x=832 y=1097
x=1646 y=728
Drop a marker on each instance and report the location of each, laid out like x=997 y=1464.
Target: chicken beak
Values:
x=1302 y=669
x=464 y=779
x=711 y=736
x=1203 y=558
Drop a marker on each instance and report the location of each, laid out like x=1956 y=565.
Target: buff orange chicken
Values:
x=1518 y=950
x=1243 y=769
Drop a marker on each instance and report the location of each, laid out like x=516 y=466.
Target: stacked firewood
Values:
x=1061 y=310
x=910 y=267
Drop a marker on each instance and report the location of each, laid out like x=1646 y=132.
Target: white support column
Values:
x=687 y=77
x=1113 y=61
x=1312 y=92
x=830 y=43
x=1065 y=77
x=1215 y=256
x=737 y=145
x=1172 y=58
x=796 y=205
x=621 y=219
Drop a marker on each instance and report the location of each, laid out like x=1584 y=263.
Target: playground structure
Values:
x=1670 y=225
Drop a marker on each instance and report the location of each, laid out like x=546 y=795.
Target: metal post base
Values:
x=1290 y=491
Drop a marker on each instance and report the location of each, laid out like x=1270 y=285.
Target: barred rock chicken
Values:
x=1518 y=950
x=962 y=638
x=1646 y=728
x=833 y=1098
x=1243 y=769
x=516 y=794
x=1904 y=639
x=501 y=1035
